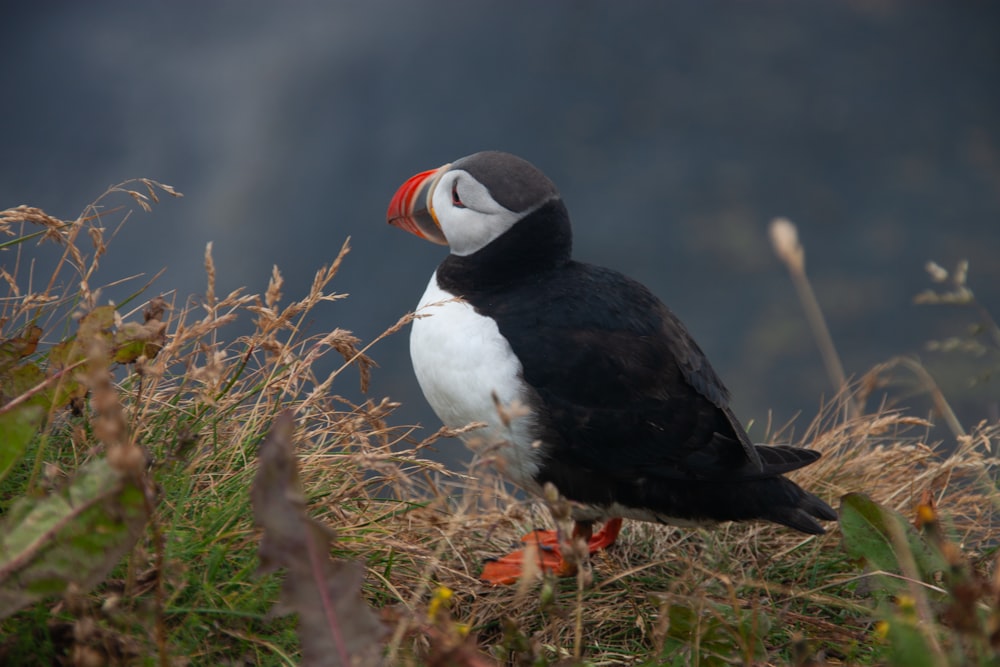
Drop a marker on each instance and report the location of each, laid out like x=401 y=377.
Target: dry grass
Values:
x=198 y=407
x=801 y=583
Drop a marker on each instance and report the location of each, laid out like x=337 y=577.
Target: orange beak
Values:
x=411 y=209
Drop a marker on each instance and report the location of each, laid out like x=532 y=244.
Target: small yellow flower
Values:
x=441 y=598
x=882 y=629
x=925 y=515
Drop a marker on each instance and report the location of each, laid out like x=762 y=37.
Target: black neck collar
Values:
x=540 y=242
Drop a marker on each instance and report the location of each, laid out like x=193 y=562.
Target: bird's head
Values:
x=470 y=202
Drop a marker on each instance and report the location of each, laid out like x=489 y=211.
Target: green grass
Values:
x=186 y=420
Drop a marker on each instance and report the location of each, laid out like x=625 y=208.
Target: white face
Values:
x=469 y=217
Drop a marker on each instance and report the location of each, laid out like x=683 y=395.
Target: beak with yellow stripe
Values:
x=411 y=208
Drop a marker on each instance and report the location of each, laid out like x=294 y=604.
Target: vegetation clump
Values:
x=167 y=493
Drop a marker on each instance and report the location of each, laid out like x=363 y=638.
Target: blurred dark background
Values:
x=676 y=132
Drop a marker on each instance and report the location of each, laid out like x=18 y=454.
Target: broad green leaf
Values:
x=869 y=530
x=97 y=322
x=15 y=380
x=908 y=645
x=19 y=423
x=17 y=427
x=65 y=353
x=74 y=536
x=13 y=350
x=133 y=340
x=711 y=635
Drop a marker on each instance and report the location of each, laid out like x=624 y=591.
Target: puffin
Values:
x=618 y=407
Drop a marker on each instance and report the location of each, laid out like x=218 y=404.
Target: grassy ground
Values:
x=161 y=379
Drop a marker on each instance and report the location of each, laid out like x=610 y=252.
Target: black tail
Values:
x=745 y=496
x=765 y=494
x=779 y=459
x=786 y=502
x=798 y=508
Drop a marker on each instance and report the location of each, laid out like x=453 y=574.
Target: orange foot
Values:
x=508 y=569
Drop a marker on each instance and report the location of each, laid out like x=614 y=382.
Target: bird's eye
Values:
x=456 y=201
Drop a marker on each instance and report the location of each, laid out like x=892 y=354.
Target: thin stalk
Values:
x=785 y=239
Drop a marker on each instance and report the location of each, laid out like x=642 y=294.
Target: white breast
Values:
x=460 y=360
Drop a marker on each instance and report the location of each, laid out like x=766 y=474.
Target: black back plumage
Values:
x=627 y=404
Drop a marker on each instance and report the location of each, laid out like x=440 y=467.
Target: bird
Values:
x=620 y=410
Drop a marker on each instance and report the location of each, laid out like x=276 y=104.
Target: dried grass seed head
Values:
x=785 y=241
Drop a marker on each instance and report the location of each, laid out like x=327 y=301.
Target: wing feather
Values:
x=617 y=371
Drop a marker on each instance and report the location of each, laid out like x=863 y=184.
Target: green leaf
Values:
x=133 y=340
x=908 y=645
x=97 y=322
x=12 y=350
x=20 y=422
x=65 y=354
x=710 y=636
x=17 y=427
x=16 y=380
x=74 y=536
x=873 y=534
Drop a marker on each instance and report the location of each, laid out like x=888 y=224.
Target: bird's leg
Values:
x=583 y=530
x=508 y=569
x=605 y=537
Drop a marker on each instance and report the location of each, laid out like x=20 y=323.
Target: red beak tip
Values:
x=409 y=211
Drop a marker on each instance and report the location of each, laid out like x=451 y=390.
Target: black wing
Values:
x=617 y=372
